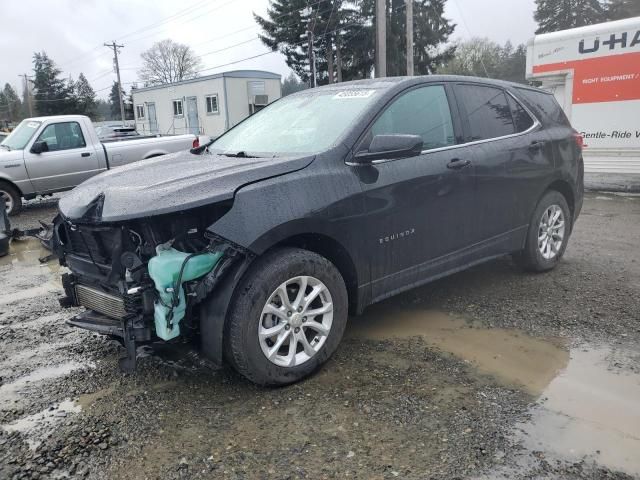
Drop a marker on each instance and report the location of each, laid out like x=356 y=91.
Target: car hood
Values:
x=168 y=184
x=10 y=155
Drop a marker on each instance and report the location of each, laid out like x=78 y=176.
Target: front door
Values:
x=68 y=161
x=419 y=207
x=153 y=120
x=192 y=115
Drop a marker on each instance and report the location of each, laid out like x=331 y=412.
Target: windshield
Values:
x=307 y=123
x=21 y=135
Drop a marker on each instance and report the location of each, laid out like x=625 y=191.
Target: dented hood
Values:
x=168 y=184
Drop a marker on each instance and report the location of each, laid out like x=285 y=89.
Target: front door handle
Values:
x=458 y=164
x=85 y=154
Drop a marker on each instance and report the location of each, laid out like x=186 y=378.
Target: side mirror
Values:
x=39 y=147
x=388 y=147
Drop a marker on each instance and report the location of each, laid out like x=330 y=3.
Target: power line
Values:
x=464 y=22
x=164 y=20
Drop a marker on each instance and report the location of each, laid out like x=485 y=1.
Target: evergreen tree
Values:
x=10 y=104
x=103 y=110
x=344 y=36
x=291 y=84
x=53 y=95
x=114 y=101
x=555 y=15
x=85 y=97
x=619 y=9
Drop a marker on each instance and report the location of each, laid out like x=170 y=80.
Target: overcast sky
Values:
x=72 y=32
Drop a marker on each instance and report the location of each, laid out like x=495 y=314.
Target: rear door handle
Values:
x=85 y=154
x=457 y=164
x=537 y=145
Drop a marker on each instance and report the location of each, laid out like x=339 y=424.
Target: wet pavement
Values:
x=490 y=373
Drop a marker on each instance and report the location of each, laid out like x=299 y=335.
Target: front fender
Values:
x=214 y=310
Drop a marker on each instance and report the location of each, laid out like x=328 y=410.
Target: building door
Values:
x=192 y=115
x=153 y=120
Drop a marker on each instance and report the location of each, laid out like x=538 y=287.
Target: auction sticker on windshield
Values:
x=355 y=94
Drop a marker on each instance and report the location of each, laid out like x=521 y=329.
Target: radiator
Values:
x=101 y=302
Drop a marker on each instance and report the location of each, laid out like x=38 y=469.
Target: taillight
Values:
x=196 y=143
x=579 y=140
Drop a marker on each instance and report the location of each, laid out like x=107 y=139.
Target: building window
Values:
x=140 y=111
x=212 y=103
x=177 y=108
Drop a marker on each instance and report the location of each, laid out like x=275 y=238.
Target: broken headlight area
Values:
x=143 y=280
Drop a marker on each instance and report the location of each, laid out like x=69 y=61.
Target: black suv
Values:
x=326 y=201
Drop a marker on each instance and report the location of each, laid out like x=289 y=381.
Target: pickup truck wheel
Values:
x=287 y=318
x=548 y=234
x=12 y=198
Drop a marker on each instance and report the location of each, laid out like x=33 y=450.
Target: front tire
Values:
x=548 y=234
x=12 y=198
x=288 y=316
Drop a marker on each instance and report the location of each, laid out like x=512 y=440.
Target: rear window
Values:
x=487 y=110
x=521 y=118
x=546 y=103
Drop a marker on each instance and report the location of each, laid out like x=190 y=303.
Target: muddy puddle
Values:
x=23 y=262
x=590 y=411
x=510 y=356
x=586 y=407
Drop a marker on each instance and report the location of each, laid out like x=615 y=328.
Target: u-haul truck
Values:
x=594 y=73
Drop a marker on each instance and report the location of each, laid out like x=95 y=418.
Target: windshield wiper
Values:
x=5 y=146
x=240 y=154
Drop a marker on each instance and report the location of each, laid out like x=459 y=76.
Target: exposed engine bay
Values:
x=143 y=279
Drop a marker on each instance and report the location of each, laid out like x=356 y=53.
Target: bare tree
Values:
x=168 y=61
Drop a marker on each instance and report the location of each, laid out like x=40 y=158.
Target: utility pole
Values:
x=115 y=48
x=27 y=92
x=409 y=9
x=381 y=38
x=312 y=58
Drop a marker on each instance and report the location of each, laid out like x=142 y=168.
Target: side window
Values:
x=177 y=108
x=547 y=104
x=487 y=110
x=423 y=111
x=212 y=103
x=521 y=118
x=62 y=136
x=140 y=111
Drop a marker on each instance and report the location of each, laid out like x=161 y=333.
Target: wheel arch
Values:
x=11 y=184
x=332 y=250
x=563 y=187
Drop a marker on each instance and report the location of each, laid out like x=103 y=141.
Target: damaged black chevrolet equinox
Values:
x=257 y=248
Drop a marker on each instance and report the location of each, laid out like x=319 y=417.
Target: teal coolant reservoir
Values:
x=164 y=269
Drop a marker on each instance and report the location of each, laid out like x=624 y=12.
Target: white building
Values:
x=594 y=73
x=205 y=105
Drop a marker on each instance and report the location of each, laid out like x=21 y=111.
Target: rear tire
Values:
x=12 y=197
x=548 y=234
x=275 y=341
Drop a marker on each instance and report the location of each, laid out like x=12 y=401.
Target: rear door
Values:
x=68 y=162
x=507 y=150
x=420 y=208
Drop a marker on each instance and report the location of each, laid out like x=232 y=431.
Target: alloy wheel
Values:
x=295 y=321
x=8 y=200
x=551 y=232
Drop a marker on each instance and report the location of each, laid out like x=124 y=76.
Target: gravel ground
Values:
x=398 y=406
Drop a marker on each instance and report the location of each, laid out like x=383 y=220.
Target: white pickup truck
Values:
x=44 y=155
